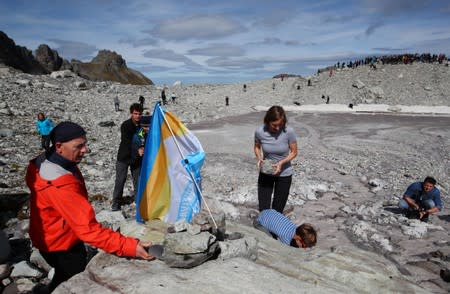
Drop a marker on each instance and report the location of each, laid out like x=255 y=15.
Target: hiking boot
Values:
x=115 y=206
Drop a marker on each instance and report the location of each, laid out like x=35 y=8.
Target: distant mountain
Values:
x=106 y=66
x=109 y=66
x=18 y=57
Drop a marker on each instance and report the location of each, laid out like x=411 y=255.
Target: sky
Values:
x=221 y=42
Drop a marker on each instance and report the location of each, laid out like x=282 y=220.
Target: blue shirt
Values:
x=278 y=224
x=415 y=192
x=44 y=127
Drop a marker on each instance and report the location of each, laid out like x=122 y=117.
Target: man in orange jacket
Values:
x=61 y=217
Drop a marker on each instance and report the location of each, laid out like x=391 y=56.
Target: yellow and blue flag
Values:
x=172 y=160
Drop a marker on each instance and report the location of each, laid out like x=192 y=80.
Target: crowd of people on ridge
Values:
x=407 y=58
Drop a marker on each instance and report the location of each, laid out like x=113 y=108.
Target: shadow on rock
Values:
x=444 y=217
x=395 y=210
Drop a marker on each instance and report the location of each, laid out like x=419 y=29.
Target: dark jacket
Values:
x=127 y=130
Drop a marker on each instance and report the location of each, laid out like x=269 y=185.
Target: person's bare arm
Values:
x=411 y=202
x=424 y=212
x=258 y=153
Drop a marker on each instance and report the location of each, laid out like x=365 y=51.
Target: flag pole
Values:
x=190 y=173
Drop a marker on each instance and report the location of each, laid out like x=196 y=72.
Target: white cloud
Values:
x=218 y=50
x=74 y=50
x=203 y=27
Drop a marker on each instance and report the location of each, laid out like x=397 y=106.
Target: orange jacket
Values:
x=61 y=216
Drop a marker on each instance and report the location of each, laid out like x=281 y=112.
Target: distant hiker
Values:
x=127 y=130
x=282 y=77
x=116 y=103
x=331 y=72
x=350 y=105
x=421 y=199
x=44 y=126
x=273 y=86
x=245 y=88
x=163 y=97
x=227 y=101
x=174 y=97
x=275 y=147
x=309 y=82
x=142 y=101
x=328 y=100
x=280 y=227
x=61 y=217
x=298 y=87
x=138 y=144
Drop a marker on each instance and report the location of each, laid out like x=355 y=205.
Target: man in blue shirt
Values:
x=272 y=222
x=422 y=199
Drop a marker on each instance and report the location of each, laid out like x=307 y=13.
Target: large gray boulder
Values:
x=277 y=268
x=185 y=250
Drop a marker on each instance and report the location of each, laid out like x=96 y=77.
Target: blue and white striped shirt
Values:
x=278 y=224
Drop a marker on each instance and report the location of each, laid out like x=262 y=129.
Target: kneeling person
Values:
x=422 y=198
x=280 y=227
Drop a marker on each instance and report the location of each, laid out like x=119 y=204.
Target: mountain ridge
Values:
x=106 y=66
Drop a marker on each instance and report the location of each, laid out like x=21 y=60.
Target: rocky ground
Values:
x=351 y=172
x=351 y=169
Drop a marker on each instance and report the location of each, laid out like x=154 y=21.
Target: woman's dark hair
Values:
x=274 y=113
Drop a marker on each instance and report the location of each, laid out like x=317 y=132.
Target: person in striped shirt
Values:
x=280 y=227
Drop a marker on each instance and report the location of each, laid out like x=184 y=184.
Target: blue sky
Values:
x=228 y=41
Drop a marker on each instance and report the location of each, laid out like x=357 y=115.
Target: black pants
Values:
x=121 y=177
x=45 y=142
x=66 y=263
x=279 y=186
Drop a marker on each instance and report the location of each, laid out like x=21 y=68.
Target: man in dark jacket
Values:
x=127 y=130
x=142 y=101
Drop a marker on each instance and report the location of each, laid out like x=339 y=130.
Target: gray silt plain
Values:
x=349 y=174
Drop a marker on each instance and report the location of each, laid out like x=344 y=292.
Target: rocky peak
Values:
x=106 y=66
x=109 y=58
x=48 y=58
x=18 y=57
